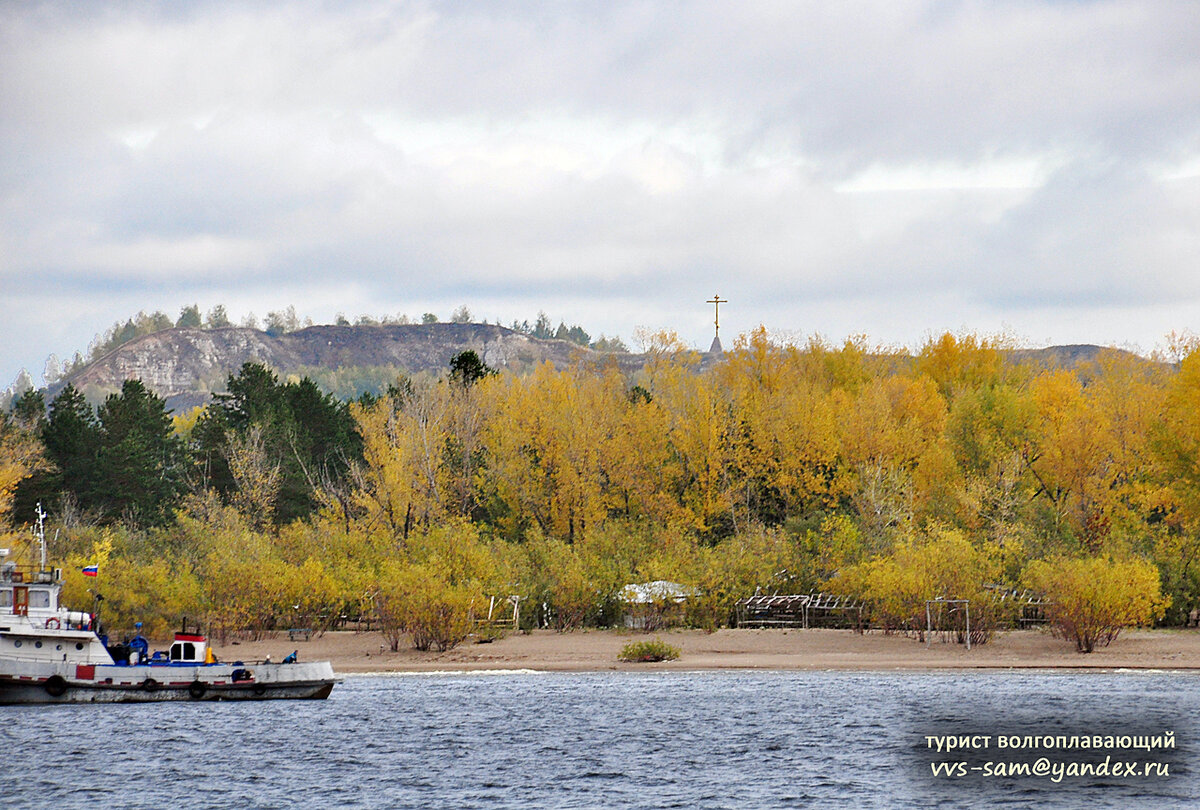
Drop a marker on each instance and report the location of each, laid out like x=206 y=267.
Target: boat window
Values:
x=39 y=599
x=6 y=598
x=183 y=651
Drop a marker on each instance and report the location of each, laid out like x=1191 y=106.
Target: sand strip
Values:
x=775 y=649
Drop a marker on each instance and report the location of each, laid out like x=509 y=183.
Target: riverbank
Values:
x=792 y=649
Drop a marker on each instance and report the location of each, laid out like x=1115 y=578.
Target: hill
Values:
x=185 y=365
x=1069 y=356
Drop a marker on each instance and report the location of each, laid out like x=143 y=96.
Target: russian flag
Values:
x=91 y=570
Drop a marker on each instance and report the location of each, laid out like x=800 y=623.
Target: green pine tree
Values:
x=138 y=463
x=308 y=434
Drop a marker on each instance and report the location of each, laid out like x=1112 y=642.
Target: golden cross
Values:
x=716 y=301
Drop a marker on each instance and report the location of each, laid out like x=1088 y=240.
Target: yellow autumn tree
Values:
x=256 y=475
x=1071 y=458
x=700 y=425
x=438 y=588
x=1091 y=600
x=941 y=563
x=544 y=451
x=20 y=457
x=641 y=469
x=892 y=430
x=400 y=484
x=555 y=579
x=561 y=453
x=717 y=577
x=134 y=586
x=1170 y=492
x=415 y=599
x=990 y=431
x=784 y=452
x=963 y=362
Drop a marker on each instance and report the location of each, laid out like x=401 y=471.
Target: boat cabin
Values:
x=189 y=648
x=23 y=589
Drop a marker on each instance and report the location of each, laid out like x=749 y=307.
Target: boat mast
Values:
x=41 y=533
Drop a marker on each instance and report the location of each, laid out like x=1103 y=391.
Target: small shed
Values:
x=651 y=605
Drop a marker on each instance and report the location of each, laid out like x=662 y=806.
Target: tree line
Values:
x=961 y=470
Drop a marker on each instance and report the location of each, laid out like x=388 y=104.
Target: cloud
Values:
x=881 y=168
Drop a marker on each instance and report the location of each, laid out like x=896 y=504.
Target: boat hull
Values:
x=39 y=684
x=16 y=694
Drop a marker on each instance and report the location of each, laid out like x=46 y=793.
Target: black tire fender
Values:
x=55 y=686
x=150 y=685
x=197 y=689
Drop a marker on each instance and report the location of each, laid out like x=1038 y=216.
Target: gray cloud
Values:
x=891 y=168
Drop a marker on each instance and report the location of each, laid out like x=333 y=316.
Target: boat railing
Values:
x=248 y=663
x=29 y=574
x=73 y=620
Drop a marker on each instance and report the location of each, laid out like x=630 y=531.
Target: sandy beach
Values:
x=792 y=649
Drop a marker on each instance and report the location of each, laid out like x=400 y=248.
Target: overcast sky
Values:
x=895 y=168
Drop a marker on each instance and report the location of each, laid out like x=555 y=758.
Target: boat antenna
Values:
x=41 y=533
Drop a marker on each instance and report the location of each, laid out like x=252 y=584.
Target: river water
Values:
x=532 y=740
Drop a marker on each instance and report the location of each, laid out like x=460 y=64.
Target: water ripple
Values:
x=517 y=740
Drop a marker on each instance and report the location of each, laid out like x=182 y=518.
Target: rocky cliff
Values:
x=185 y=366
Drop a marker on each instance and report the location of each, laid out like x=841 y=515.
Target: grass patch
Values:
x=647 y=651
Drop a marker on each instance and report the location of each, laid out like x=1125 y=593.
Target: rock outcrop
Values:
x=185 y=366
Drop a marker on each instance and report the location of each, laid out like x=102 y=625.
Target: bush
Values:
x=555 y=577
x=717 y=577
x=433 y=593
x=648 y=651
x=1092 y=600
x=416 y=600
x=942 y=563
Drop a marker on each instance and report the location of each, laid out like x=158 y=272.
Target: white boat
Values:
x=49 y=654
